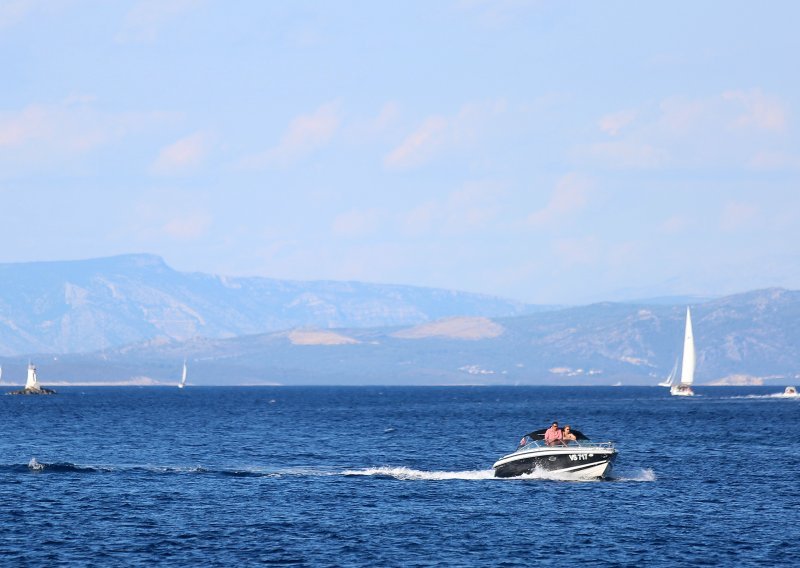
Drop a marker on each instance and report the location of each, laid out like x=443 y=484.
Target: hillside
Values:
x=78 y=306
x=752 y=337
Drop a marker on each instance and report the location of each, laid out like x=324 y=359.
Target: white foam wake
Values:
x=774 y=395
x=640 y=475
x=408 y=473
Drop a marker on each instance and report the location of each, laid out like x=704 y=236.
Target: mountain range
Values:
x=86 y=305
x=134 y=320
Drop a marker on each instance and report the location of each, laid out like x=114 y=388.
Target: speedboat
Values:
x=789 y=392
x=578 y=459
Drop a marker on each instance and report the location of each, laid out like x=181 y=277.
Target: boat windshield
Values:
x=530 y=444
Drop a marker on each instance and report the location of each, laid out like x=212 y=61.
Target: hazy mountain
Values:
x=755 y=335
x=68 y=307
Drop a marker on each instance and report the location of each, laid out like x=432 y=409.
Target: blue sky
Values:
x=552 y=152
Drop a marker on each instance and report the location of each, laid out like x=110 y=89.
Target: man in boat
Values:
x=553 y=435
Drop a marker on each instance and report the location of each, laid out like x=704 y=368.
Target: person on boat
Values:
x=567 y=435
x=553 y=435
x=523 y=441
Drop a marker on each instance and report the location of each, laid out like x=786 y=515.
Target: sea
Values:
x=394 y=476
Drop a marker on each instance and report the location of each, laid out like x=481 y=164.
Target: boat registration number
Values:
x=577 y=457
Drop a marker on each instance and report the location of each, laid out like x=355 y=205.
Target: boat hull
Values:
x=572 y=463
x=681 y=390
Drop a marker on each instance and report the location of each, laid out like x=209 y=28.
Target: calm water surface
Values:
x=393 y=476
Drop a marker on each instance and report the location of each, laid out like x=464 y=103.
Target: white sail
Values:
x=33 y=381
x=671 y=378
x=183 y=376
x=687 y=369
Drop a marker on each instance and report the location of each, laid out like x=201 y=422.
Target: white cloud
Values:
x=737 y=216
x=768 y=160
x=145 y=20
x=188 y=227
x=628 y=154
x=758 y=110
x=675 y=224
x=41 y=134
x=419 y=220
x=305 y=134
x=471 y=208
x=439 y=133
x=419 y=146
x=570 y=196
x=13 y=11
x=357 y=223
x=612 y=123
x=739 y=128
x=182 y=156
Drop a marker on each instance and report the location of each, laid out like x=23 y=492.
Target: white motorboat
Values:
x=578 y=459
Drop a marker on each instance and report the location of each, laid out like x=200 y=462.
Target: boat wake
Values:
x=385 y=472
x=406 y=473
x=640 y=475
x=780 y=395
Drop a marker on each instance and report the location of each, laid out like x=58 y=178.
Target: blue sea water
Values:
x=393 y=476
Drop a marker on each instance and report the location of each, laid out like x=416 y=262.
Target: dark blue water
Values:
x=393 y=476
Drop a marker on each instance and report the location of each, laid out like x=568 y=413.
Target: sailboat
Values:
x=183 y=376
x=684 y=388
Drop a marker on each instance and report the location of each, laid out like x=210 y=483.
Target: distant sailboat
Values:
x=684 y=388
x=183 y=376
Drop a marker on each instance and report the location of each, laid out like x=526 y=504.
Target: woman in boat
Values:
x=568 y=436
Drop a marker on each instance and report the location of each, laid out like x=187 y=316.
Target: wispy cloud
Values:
x=187 y=227
x=738 y=126
x=46 y=133
x=357 y=223
x=758 y=110
x=304 y=135
x=183 y=156
x=14 y=11
x=471 y=208
x=570 y=196
x=737 y=215
x=439 y=133
x=419 y=146
x=612 y=123
x=376 y=126
x=146 y=19
x=420 y=219
x=674 y=225
x=774 y=160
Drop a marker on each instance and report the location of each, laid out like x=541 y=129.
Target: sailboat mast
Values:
x=687 y=368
